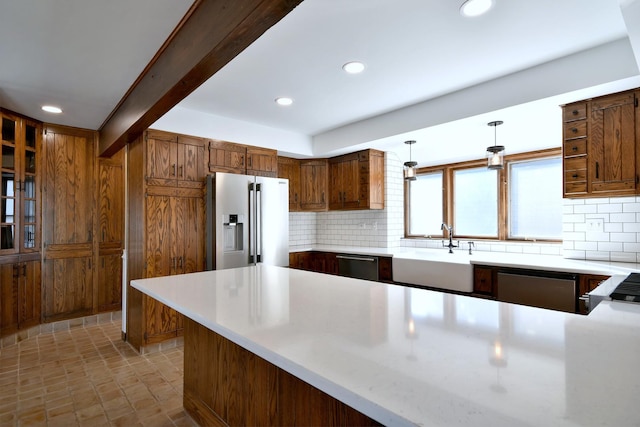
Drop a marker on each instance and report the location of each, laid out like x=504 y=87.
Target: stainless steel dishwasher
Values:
x=556 y=291
x=357 y=266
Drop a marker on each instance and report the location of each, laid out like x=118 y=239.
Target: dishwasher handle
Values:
x=355 y=258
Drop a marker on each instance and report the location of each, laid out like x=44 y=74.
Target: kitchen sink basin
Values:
x=434 y=268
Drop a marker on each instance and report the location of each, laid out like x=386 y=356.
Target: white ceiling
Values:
x=84 y=54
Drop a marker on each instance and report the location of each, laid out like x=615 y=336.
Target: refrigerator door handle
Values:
x=252 y=219
x=258 y=234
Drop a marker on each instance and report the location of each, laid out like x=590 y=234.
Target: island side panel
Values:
x=224 y=384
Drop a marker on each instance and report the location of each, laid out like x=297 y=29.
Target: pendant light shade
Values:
x=410 y=166
x=495 y=153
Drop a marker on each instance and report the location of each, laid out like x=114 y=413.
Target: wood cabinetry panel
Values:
x=224 y=384
x=600 y=148
x=69 y=207
x=68 y=291
x=110 y=282
x=290 y=169
x=110 y=203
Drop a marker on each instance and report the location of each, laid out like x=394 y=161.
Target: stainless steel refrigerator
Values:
x=247 y=221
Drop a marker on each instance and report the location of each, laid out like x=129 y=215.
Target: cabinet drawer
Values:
x=575 y=187
x=575 y=111
x=579 y=175
x=577 y=129
x=574 y=147
x=575 y=163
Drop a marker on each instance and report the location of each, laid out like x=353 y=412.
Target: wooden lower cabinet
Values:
x=20 y=295
x=224 y=385
x=110 y=281
x=483 y=280
x=68 y=290
x=327 y=262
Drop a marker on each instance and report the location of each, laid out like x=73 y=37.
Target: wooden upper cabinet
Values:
x=174 y=160
x=612 y=134
x=600 y=146
x=227 y=157
x=20 y=141
x=356 y=181
x=314 y=175
x=230 y=157
x=262 y=162
x=289 y=168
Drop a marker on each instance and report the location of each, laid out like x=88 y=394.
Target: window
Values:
x=425 y=216
x=475 y=202
x=523 y=201
x=535 y=199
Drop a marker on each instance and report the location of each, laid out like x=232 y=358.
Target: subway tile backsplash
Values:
x=604 y=229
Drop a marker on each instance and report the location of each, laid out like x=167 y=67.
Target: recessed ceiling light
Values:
x=353 y=67
x=52 y=109
x=284 y=101
x=472 y=8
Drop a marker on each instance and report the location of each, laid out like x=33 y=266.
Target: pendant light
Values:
x=410 y=166
x=495 y=153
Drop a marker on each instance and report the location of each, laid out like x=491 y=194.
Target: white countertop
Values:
x=407 y=356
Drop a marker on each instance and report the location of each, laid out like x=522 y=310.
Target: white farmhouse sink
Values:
x=434 y=268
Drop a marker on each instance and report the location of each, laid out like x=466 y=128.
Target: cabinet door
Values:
x=290 y=169
x=191 y=161
x=158 y=240
x=193 y=235
x=483 y=280
x=227 y=157
x=8 y=298
x=262 y=162
x=29 y=294
x=351 y=184
x=20 y=196
x=110 y=282
x=9 y=202
x=68 y=290
x=335 y=185
x=313 y=185
x=612 y=144
x=162 y=157
x=110 y=203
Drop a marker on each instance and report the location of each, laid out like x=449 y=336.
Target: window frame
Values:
x=503 y=194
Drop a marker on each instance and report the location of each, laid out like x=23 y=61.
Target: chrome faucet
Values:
x=449 y=229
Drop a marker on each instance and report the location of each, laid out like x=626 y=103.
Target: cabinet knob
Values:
x=574 y=148
x=574 y=130
x=574 y=112
x=575 y=175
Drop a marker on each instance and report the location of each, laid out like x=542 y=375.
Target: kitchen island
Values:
x=407 y=356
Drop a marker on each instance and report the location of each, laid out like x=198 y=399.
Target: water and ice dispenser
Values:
x=233 y=230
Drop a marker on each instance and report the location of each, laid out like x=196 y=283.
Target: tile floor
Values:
x=87 y=376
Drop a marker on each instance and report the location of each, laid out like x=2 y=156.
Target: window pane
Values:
x=475 y=202
x=535 y=199
x=425 y=196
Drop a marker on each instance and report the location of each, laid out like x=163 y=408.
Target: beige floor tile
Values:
x=85 y=375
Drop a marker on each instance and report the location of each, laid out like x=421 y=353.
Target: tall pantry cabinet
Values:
x=167 y=220
x=68 y=218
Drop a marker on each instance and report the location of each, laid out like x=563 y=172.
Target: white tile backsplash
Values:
x=619 y=238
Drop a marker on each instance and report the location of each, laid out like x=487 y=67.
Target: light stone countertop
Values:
x=408 y=356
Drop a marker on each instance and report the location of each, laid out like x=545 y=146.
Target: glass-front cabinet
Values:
x=19 y=201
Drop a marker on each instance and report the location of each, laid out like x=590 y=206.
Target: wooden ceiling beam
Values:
x=210 y=35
